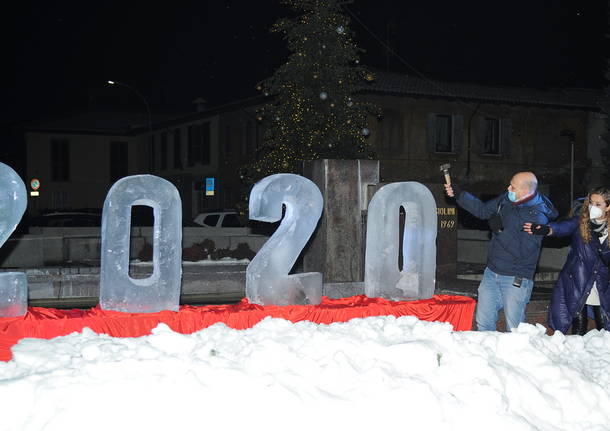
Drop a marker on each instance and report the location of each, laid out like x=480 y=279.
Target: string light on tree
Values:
x=301 y=121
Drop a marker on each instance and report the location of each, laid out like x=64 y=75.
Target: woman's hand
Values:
x=537 y=229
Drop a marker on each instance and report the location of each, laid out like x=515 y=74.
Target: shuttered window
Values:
x=494 y=136
x=445 y=133
x=491 y=143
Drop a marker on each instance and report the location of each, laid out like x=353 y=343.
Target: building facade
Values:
x=485 y=133
x=77 y=159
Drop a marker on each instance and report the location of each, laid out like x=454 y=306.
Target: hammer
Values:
x=445 y=169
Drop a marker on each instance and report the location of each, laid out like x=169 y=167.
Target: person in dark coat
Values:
x=512 y=254
x=584 y=278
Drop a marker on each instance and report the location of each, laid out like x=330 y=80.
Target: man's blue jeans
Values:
x=496 y=292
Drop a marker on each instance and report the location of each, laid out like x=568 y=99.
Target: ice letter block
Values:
x=382 y=277
x=13 y=200
x=160 y=291
x=267 y=279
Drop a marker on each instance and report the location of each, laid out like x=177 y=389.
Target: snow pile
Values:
x=374 y=372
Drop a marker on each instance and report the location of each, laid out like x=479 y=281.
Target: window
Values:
x=163 y=151
x=194 y=144
x=442 y=134
x=60 y=160
x=211 y=220
x=118 y=160
x=198 y=150
x=445 y=133
x=152 y=154
x=491 y=144
x=205 y=144
x=177 y=149
x=228 y=146
x=494 y=135
x=231 y=220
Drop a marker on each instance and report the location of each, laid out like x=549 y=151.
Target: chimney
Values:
x=200 y=104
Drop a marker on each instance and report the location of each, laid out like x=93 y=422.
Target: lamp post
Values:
x=122 y=84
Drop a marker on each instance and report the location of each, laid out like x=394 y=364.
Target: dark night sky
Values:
x=61 y=53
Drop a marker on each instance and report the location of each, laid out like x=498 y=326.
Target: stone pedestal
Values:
x=337 y=246
x=446 y=236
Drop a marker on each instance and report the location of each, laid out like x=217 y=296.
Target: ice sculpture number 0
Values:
x=13 y=200
x=382 y=277
x=160 y=291
x=267 y=279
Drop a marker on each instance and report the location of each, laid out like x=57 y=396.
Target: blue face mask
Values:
x=512 y=196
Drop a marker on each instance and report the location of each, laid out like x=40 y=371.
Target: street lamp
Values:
x=122 y=84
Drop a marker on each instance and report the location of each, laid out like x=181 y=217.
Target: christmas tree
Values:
x=311 y=111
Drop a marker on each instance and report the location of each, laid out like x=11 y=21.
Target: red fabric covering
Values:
x=50 y=322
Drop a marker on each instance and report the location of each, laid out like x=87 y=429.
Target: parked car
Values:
x=222 y=223
x=141 y=216
x=219 y=219
x=67 y=219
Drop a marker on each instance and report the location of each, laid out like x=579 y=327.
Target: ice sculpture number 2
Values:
x=267 y=279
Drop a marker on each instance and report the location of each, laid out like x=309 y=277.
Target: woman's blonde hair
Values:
x=584 y=211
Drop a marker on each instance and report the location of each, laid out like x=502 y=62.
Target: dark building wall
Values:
x=529 y=140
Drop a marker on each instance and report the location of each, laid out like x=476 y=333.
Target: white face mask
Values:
x=595 y=212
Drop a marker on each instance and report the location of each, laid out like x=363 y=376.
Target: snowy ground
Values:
x=372 y=373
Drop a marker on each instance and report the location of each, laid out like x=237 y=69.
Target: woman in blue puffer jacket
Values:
x=584 y=277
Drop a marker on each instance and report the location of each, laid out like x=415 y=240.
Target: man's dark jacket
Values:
x=512 y=251
x=587 y=263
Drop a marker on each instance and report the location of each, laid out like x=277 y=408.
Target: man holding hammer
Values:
x=512 y=254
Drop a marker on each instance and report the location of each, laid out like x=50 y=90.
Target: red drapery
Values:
x=50 y=322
